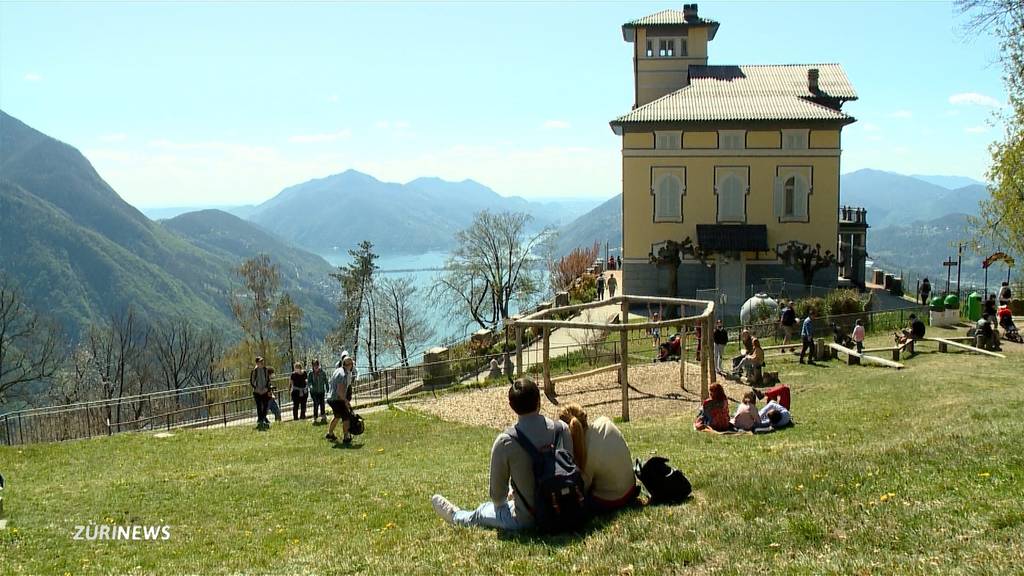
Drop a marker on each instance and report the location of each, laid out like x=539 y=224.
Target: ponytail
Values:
x=576 y=418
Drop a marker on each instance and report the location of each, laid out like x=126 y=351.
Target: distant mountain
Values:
x=893 y=199
x=949 y=182
x=165 y=212
x=334 y=214
x=602 y=224
x=919 y=249
x=81 y=253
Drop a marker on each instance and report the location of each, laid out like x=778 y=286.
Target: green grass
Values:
x=918 y=471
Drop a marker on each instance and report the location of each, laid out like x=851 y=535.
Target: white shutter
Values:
x=800 y=193
x=779 y=202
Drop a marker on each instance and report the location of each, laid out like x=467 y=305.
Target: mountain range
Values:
x=80 y=253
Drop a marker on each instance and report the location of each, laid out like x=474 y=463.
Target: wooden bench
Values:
x=945 y=343
x=852 y=357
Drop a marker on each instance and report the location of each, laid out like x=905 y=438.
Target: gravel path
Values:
x=655 y=395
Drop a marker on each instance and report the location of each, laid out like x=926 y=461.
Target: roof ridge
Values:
x=765 y=65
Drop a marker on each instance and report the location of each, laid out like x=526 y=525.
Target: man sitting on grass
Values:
x=509 y=510
x=915 y=331
x=775 y=415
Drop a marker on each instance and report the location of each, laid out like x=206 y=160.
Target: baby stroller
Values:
x=1010 y=331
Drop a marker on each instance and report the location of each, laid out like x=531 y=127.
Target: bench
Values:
x=852 y=357
x=945 y=343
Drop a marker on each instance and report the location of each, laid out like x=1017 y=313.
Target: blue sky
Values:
x=181 y=103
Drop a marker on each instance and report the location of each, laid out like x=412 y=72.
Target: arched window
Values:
x=731 y=201
x=792 y=191
x=668 y=199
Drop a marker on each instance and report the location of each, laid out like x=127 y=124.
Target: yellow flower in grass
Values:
x=984 y=475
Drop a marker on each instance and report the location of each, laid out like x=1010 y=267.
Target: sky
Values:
x=224 y=103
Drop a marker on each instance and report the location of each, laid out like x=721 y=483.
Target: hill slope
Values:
x=82 y=253
x=602 y=224
x=894 y=199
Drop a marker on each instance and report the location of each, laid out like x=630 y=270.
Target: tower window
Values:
x=666 y=48
x=650 y=49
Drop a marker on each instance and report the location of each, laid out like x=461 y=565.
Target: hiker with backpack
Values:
x=338 y=397
x=535 y=459
x=259 y=380
x=603 y=457
x=787 y=321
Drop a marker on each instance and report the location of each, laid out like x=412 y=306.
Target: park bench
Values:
x=895 y=350
x=956 y=342
x=853 y=357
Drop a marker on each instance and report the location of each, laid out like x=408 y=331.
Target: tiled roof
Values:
x=775 y=92
x=732 y=237
x=667 y=17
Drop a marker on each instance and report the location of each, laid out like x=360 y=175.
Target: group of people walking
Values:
x=612 y=283
x=335 y=391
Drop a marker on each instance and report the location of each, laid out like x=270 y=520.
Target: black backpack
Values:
x=665 y=484
x=788 y=317
x=356 y=426
x=559 y=503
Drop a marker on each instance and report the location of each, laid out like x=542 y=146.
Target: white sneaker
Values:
x=444 y=508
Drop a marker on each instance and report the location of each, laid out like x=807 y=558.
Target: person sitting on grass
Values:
x=342 y=379
x=914 y=331
x=511 y=465
x=986 y=336
x=603 y=457
x=714 y=412
x=746 y=417
x=751 y=364
x=775 y=415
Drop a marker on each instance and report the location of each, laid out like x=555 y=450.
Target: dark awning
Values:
x=732 y=237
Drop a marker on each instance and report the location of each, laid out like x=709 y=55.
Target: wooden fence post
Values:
x=519 y=351
x=705 y=357
x=624 y=371
x=549 y=388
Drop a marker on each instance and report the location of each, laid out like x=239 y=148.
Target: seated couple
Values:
x=914 y=331
x=598 y=448
x=752 y=362
x=714 y=412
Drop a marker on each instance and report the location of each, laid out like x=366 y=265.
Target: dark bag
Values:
x=559 y=503
x=356 y=425
x=665 y=484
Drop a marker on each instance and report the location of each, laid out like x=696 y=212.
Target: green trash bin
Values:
x=974 y=306
x=952 y=302
x=936 y=304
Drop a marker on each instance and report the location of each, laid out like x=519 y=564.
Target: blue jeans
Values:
x=488 y=515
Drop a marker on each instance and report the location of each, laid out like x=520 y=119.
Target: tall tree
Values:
x=357 y=280
x=176 y=346
x=405 y=326
x=30 y=346
x=491 y=267
x=287 y=323
x=1001 y=216
x=117 y=350
x=252 y=307
x=564 y=271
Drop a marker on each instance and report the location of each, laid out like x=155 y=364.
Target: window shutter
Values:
x=779 y=203
x=800 y=198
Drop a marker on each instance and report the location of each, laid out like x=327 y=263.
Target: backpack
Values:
x=788 y=317
x=665 y=484
x=559 y=503
x=356 y=426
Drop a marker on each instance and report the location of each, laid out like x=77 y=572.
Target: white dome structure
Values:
x=758 y=308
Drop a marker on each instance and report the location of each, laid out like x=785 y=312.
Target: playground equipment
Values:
x=704 y=320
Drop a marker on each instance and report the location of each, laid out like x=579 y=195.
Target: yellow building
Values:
x=739 y=159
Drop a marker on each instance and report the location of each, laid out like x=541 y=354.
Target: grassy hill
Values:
x=914 y=471
x=80 y=253
x=603 y=224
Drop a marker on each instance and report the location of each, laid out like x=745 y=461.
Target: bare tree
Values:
x=405 y=326
x=117 y=351
x=491 y=267
x=30 y=346
x=286 y=321
x=252 y=308
x=176 y=347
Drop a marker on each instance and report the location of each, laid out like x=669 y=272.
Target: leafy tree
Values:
x=1001 y=216
x=30 y=346
x=357 y=281
x=252 y=307
x=404 y=324
x=490 y=267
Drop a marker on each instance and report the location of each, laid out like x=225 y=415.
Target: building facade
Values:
x=731 y=162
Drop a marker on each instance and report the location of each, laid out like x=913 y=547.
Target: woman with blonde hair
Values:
x=603 y=457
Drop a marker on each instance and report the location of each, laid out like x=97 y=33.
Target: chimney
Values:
x=812 y=80
x=690 y=12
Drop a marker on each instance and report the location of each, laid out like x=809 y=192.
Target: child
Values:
x=746 y=417
x=656 y=331
x=858 y=336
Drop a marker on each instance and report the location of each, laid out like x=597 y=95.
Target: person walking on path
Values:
x=807 y=337
x=299 y=392
x=926 y=291
x=259 y=380
x=600 y=287
x=318 y=390
x=787 y=320
x=337 y=397
x=612 y=285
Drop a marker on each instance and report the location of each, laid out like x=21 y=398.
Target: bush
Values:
x=842 y=302
x=804 y=305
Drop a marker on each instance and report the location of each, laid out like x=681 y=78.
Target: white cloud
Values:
x=113 y=138
x=33 y=77
x=316 y=138
x=901 y=114
x=974 y=98
x=873 y=138
x=976 y=129
x=869 y=127
x=332 y=98
x=556 y=124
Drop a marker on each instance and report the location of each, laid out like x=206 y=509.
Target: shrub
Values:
x=842 y=302
x=805 y=305
x=583 y=290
